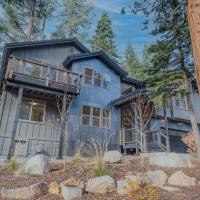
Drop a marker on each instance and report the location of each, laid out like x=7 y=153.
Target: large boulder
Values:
x=122 y=186
x=101 y=185
x=30 y=192
x=71 y=192
x=166 y=159
x=38 y=164
x=157 y=178
x=180 y=179
x=112 y=156
x=170 y=189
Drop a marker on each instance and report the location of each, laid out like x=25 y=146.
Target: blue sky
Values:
x=127 y=28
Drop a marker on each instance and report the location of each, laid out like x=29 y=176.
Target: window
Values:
x=88 y=76
x=97 y=79
x=96 y=117
x=92 y=116
x=181 y=101
x=105 y=118
x=86 y=115
x=32 y=110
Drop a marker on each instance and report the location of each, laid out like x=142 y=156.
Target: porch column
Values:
x=2 y=104
x=166 y=129
x=14 y=128
x=62 y=127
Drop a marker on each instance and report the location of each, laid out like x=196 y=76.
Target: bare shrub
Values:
x=136 y=192
x=189 y=140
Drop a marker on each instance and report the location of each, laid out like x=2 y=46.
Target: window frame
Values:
x=101 y=118
x=30 y=114
x=102 y=79
x=179 y=98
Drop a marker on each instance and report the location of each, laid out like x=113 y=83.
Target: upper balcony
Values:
x=35 y=73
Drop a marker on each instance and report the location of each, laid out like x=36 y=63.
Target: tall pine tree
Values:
x=75 y=19
x=172 y=69
x=22 y=20
x=132 y=64
x=103 y=40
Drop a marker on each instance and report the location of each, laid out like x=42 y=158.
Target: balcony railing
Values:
x=38 y=73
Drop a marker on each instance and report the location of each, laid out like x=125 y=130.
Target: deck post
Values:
x=62 y=127
x=2 y=104
x=14 y=128
x=167 y=130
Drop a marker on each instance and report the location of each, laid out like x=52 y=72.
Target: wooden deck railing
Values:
x=130 y=136
x=46 y=73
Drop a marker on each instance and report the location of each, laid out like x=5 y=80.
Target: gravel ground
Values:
x=84 y=170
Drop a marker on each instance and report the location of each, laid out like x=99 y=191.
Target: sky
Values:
x=127 y=28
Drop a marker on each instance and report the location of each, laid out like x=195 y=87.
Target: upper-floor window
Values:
x=32 y=110
x=93 y=116
x=181 y=101
x=96 y=78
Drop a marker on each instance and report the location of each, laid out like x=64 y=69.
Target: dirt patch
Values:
x=84 y=171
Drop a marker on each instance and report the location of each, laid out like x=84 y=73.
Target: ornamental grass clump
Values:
x=98 y=147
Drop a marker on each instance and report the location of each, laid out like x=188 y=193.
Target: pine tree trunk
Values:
x=30 y=22
x=193 y=120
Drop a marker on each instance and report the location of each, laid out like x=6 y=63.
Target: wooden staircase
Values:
x=131 y=140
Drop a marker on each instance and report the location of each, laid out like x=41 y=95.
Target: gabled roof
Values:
x=127 y=97
x=134 y=82
x=72 y=41
x=100 y=55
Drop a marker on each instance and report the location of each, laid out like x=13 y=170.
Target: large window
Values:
x=97 y=79
x=181 y=101
x=32 y=110
x=92 y=116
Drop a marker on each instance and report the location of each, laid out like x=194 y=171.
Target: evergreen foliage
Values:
x=132 y=64
x=170 y=56
x=75 y=19
x=24 y=20
x=103 y=40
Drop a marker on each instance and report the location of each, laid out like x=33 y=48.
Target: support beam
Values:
x=166 y=129
x=14 y=128
x=62 y=127
x=2 y=104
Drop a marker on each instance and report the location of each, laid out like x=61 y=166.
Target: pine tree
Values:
x=172 y=69
x=75 y=20
x=103 y=40
x=131 y=63
x=22 y=20
x=145 y=63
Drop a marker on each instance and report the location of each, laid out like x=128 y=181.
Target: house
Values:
x=53 y=87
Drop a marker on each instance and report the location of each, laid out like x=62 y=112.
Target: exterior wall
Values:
x=29 y=134
x=182 y=114
x=97 y=97
x=54 y=55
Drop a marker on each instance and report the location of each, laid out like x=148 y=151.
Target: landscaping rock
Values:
x=70 y=181
x=122 y=187
x=112 y=156
x=180 y=179
x=165 y=159
x=157 y=178
x=54 y=188
x=145 y=181
x=71 y=192
x=29 y=192
x=101 y=185
x=170 y=189
x=38 y=164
